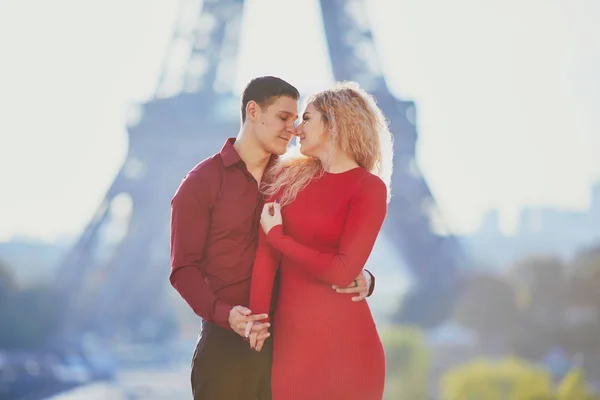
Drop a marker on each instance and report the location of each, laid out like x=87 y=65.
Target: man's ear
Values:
x=252 y=110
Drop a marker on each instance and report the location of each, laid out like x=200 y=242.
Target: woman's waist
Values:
x=309 y=317
x=295 y=278
x=320 y=299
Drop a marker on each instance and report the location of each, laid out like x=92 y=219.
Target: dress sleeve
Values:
x=363 y=223
x=266 y=264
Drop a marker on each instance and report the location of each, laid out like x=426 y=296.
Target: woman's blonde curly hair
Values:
x=355 y=124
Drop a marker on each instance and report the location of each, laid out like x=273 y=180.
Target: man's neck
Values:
x=255 y=158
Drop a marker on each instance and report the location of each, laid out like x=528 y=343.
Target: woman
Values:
x=330 y=203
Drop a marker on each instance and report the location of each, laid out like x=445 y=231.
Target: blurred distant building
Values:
x=539 y=230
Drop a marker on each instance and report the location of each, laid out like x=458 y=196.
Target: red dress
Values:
x=325 y=345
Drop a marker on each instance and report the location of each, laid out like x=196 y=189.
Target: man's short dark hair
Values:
x=265 y=90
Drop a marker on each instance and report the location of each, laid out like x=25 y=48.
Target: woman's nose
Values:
x=298 y=129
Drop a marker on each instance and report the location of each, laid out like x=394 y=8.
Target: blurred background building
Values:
x=489 y=257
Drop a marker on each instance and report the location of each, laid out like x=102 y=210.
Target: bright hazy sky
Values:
x=507 y=95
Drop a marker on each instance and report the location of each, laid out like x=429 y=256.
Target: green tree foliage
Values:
x=7 y=281
x=511 y=378
x=574 y=387
x=28 y=315
x=541 y=282
x=408 y=361
x=585 y=280
x=489 y=306
x=581 y=328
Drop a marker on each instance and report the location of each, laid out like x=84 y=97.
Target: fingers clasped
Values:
x=240 y=317
x=258 y=332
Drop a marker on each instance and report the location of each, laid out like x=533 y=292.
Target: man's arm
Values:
x=190 y=221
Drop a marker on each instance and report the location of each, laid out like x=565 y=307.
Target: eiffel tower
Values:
x=116 y=275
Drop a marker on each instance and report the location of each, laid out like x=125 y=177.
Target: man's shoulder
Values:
x=207 y=167
x=204 y=176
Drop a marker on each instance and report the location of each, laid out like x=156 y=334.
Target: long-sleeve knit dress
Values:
x=325 y=345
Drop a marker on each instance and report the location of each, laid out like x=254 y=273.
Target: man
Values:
x=214 y=228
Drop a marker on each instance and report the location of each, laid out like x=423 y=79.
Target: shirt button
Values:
x=253 y=180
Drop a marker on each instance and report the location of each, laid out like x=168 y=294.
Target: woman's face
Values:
x=312 y=133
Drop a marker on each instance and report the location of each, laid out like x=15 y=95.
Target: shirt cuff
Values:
x=367 y=276
x=370 y=282
x=221 y=314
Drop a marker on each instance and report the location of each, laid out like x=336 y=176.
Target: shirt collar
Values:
x=230 y=156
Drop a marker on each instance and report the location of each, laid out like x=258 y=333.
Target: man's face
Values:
x=274 y=125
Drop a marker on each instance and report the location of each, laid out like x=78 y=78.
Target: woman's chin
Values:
x=303 y=150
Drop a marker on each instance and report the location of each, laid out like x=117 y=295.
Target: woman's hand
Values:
x=257 y=337
x=271 y=216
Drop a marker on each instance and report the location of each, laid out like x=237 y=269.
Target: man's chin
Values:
x=279 y=150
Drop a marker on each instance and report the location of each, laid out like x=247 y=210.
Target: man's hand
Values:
x=258 y=335
x=239 y=318
x=360 y=285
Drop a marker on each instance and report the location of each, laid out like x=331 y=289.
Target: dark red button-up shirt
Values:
x=215 y=216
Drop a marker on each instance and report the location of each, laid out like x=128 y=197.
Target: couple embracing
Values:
x=268 y=245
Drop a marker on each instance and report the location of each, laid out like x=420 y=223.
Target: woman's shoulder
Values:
x=368 y=179
x=371 y=184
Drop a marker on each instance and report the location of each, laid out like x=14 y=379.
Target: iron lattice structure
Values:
x=117 y=272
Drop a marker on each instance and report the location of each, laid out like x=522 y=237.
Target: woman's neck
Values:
x=338 y=163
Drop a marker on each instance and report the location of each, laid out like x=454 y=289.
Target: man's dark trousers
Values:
x=224 y=367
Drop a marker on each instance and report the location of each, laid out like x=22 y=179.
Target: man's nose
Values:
x=291 y=128
x=297 y=128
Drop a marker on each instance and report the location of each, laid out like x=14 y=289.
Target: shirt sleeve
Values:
x=363 y=223
x=372 y=285
x=190 y=221
x=266 y=264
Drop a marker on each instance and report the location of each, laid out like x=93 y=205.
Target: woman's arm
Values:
x=363 y=223
x=266 y=263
